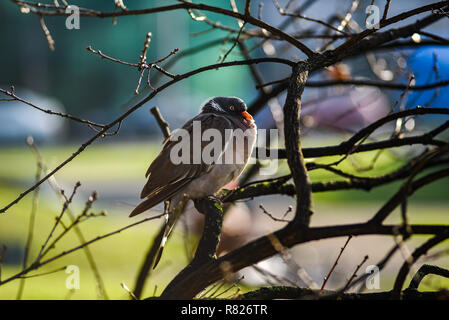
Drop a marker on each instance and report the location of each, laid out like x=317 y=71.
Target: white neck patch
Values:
x=216 y=106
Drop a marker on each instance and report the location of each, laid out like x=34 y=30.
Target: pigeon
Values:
x=197 y=160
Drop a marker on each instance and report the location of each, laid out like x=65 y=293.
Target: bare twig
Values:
x=326 y=278
x=58 y=219
x=43 y=274
x=163 y=125
x=284 y=12
x=181 y=6
x=261 y=206
x=234 y=44
x=31 y=223
x=387 y=7
x=51 y=42
x=58 y=191
x=354 y=275
x=66 y=252
x=131 y=294
x=14 y=97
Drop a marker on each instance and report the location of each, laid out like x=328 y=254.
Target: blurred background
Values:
x=72 y=80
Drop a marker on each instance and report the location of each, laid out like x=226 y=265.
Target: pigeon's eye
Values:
x=232 y=108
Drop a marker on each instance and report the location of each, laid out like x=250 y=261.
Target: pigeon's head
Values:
x=227 y=105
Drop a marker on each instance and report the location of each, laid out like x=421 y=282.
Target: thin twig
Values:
x=102 y=294
x=31 y=222
x=58 y=219
x=261 y=206
x=14 y=97
x=51 y=42
x=236 y=41
x=66 y=252
x=44 y=273
x=131 y=294
x=326 y=278
x=354 y=275
x=163 y=125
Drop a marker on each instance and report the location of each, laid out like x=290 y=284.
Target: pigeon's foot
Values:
x=216 y=197
x=201 y=204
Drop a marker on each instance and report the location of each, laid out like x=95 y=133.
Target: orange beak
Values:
x=247 y=116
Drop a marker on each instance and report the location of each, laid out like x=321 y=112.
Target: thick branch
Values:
x=425 y=270
x=163 y=125
x=376 y=83
x=385 y=22
x=280 y=187
x=207 y=273
x=145 y=268
x=295 y=159
x=348 y=146
x=280 y=292
x=205 y=252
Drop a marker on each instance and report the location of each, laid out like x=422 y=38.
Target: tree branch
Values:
x=205 y=252
x=422 y=250
x=295 y=159
x=425 y=270
x=281 y=292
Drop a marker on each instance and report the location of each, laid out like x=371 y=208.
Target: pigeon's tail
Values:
x=164 y=238
x=174 y=210
x=158 y=256
x=143 y=206
x=148 y=203
x=158 y=195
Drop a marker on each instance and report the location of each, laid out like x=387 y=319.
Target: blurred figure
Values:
x=429 y=65
x=344 y=108
x=346 y=112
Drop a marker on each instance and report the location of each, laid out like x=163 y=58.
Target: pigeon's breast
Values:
x=228 y=167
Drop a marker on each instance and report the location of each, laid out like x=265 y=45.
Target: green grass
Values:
x=100 y=161
x=119 y=257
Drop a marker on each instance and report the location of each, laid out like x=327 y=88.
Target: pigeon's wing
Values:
x=166 y=178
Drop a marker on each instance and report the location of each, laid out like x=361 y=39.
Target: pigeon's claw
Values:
x=216 y=197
